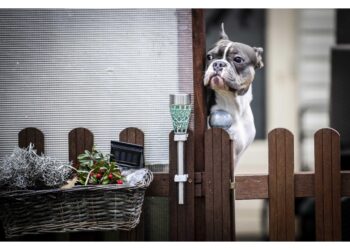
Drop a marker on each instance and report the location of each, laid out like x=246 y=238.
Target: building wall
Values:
x=298 y=84
x=316 y=36
x=104 y=70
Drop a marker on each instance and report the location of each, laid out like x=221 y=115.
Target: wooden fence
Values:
x=80 y=139
x=216 y=185
x=216 y=188
x=327 y=184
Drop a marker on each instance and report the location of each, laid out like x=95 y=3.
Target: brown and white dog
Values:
x=229 y=76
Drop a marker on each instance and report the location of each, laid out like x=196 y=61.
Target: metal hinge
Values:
x=199 y=190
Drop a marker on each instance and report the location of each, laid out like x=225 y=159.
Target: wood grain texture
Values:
x=228 y=225
x=251 y=187
x=135 y=136
x=186 y=212
x=190 y=187
x=219 y=214
x=336 y=190
x=25 y=137
x=79 y=139
x=31 y=135
x=182 y=217
x=173 y=193
x=327 y=185
x=200 y=110
x=272 y=186
x=289 y=183
x=281 y=185
x=159 y=186
x=217 y=179
x=132 y=135
x=209 y=185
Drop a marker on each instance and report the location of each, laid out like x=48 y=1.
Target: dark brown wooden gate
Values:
x=281 y=186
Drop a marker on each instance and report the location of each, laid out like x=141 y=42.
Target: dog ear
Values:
x=258 y=52
x=223 y=34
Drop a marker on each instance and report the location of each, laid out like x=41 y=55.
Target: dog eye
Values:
x=238 y=59
x=209 y=57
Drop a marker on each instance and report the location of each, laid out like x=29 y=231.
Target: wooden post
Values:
x=281 y=185
x=181 y=216
x=134 y=136
x=200 y=110
x=219 y=206
x=327 y=185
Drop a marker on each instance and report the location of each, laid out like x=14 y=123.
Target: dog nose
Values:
x=219 y=65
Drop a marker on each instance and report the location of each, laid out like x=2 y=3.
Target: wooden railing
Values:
x=219 y=187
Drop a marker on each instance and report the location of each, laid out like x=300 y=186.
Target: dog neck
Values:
x=233 y=103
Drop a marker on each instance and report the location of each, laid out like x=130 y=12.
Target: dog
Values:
x=229 y=75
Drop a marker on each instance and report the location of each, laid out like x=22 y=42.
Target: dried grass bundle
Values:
x=24 y=169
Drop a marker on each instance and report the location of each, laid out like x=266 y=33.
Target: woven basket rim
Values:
x=20 y=193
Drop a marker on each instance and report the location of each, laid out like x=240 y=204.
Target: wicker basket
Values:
x=81 y=208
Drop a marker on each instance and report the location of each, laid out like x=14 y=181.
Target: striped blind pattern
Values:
x=104 y=70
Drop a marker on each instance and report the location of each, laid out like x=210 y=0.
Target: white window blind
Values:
x=104 y=70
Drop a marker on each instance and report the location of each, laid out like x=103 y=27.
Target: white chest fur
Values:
x=242 y=130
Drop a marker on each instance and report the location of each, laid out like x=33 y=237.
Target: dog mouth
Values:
x=217 y=82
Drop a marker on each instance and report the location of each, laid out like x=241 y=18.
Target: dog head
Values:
x=231 y=65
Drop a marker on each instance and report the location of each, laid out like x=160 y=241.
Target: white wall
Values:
x=104 y=70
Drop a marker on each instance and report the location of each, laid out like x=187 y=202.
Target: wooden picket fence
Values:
x=327 y=184
x=219 y=187
x=214 y=190
x=80 y=139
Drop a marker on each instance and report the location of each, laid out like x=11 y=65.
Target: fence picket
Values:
x=218 y=171
x=281 y=185
x=79 y=139
x=209 y=185
x=134 y=136
x=31 y=135
x=327 y=185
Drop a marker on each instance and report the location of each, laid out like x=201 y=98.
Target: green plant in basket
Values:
x=95 y=168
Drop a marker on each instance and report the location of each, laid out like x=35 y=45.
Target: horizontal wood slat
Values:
x=252 y=187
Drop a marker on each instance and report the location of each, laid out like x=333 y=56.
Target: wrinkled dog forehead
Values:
x=226 y=47
x=233 y=48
